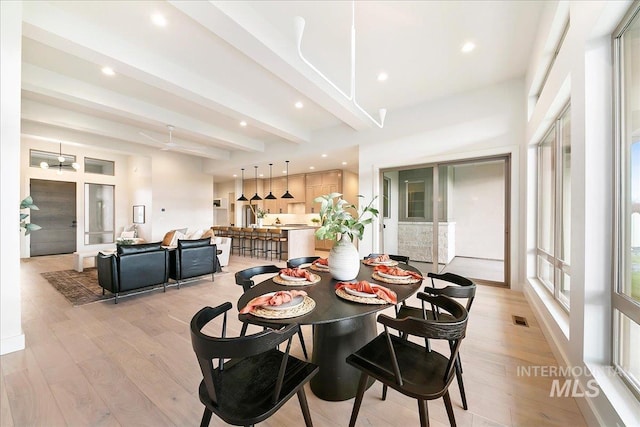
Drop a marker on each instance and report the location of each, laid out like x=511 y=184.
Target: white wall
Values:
x=182 y=194
x=11 y=336
x=481 y=123
x=477 y=198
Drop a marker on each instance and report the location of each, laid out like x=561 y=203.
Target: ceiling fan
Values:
x=168 y=145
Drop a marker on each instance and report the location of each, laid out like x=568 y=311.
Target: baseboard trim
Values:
x=11 y=344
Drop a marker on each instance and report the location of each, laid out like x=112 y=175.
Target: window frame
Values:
x=559 y=265
x=621 y=303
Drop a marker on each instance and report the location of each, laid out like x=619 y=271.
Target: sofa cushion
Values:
x=183 y=244
x=170 y=237
x=207 y=234
x=136 y=249
x=194 y=235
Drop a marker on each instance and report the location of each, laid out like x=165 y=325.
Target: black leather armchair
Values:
x=134 y=267
x=193 y=258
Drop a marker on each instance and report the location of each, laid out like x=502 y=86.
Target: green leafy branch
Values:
x=27 y=203
x=337 y=220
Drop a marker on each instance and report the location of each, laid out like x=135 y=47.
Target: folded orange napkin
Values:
x=396 y=271
x=297 y=272
x=322 y=261
x=378 y=259
x=363 y=286
x=278 y=298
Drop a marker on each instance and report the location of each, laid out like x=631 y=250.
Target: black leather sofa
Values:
x=134 y=267
x=193 y=258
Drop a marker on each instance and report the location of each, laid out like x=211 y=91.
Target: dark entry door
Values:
x=57 y=217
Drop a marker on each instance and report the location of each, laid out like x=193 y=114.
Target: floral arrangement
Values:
x=28 y=227
x=337 y=220
x=258 y=212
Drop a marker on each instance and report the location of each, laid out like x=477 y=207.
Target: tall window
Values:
x=626 y=292
x=554 y=209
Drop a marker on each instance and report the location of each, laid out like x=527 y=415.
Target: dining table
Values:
x=340 y=326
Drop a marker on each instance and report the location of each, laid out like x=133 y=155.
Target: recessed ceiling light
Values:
x=108 y=71
x=324 y=155
x=235 y=175
x=383 y=76
x=299 y=105
x=312 y=167
x=344 y=163
x=261 y=175
x=159 y=19
x=468 y=47
x=243 y=123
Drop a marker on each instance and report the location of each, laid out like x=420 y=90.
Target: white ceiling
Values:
x=217 y=63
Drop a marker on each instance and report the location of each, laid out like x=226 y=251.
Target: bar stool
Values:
x=221 y=231
x=277 y=239
x=248 y=237
x=236 y=238
x=262 y=242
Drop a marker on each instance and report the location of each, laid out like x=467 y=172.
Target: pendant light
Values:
x=242 y=198
x=270 y=196
x=287 y=195
x=255 y=197
x=61 y=163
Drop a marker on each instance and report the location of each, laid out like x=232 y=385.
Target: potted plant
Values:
x=259 y=213
x=27 y=203
x=339 y=224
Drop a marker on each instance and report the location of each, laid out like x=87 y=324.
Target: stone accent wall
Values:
x=415 y=241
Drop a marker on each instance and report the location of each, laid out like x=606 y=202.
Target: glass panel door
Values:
x=472 y=227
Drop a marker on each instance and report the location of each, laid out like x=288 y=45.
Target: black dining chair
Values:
x=247 y=379
x=412 y=369
x=297 y=262
x=458 y=287
x=399 y=258
x=244 y=278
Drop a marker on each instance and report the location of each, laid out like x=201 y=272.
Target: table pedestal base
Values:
x=332 y=343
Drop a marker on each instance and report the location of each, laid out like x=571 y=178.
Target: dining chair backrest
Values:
x=246 y=378
x=399 y=258
x=464 y=288
x=244 y=278
x=296 y=262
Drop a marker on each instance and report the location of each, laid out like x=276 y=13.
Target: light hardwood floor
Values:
x=132 y=364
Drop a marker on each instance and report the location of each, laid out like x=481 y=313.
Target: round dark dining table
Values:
x=340 y=327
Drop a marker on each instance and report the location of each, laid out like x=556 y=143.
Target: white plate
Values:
x=360 y=294
x=293 y=279
x=296 y=301
x=391 y=276
x=372 y=262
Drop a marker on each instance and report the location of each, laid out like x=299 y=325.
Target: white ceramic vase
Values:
x=259 y=222
x=344 y=260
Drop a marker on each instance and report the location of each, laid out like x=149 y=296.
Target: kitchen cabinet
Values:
x=319 y=184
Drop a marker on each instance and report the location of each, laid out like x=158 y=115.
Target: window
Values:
x=415 y=199
x=54 y=161
x=554 y=209
x=626 y=292
x=102 y=167
x=99 y=213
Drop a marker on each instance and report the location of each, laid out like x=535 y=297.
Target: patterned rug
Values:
x=77 y=288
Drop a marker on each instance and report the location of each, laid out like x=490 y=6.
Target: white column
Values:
x=11 y=336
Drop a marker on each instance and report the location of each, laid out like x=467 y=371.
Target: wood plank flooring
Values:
x=132 y=364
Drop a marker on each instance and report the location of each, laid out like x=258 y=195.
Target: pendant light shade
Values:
x=242 y=198
x=287 y=195
x=255 y=197
x=61 y=163
x=270 y=196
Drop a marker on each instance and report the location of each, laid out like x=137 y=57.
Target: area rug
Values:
x=78 y=288
x=82 y=288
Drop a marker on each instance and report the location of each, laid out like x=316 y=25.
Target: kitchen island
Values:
x=300 y=242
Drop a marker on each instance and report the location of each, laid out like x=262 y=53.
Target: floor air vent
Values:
x=520 y=321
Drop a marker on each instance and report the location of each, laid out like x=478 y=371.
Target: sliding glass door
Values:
x=469 y=234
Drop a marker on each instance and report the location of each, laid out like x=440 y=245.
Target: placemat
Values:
x=307 y=305
x=390 y=263
x=280 y=281
x=409 y=280
x=315 y=267
x=363 y=300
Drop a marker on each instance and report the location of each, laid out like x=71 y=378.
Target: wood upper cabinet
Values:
x=319 y=184
x=297 y=188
